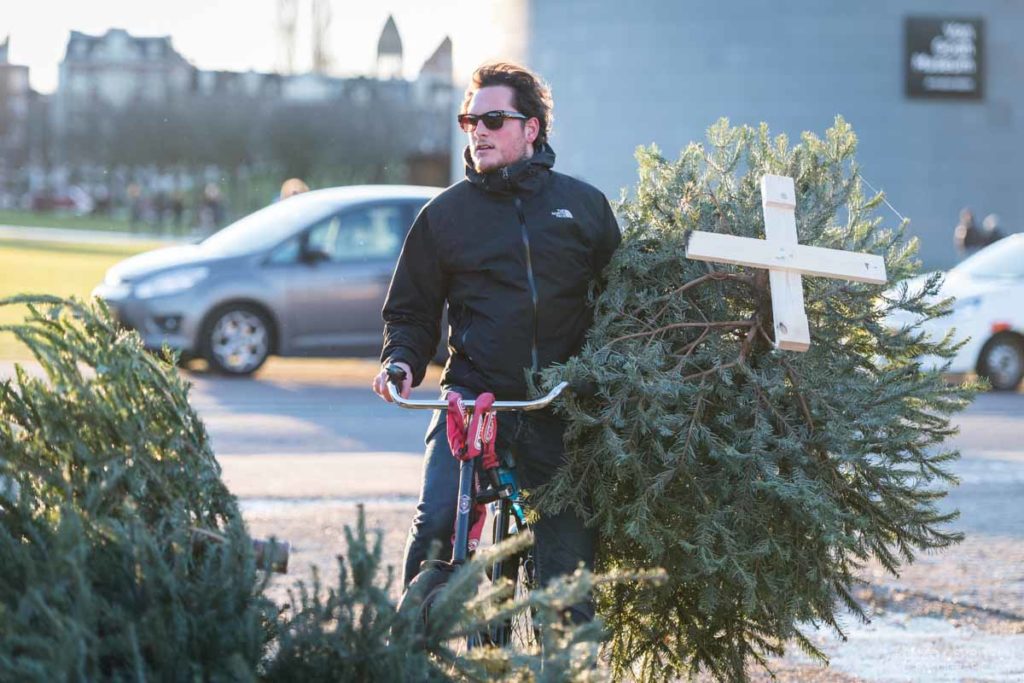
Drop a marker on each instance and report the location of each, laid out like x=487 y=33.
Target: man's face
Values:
x=493 y=149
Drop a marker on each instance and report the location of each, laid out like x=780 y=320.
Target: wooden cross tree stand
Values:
x=786 y=260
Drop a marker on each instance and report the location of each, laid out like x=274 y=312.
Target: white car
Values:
x=989 y=310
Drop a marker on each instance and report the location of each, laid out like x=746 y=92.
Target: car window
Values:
x=324 y=236
x=286 y=252
x=1004 y=259
x=361 y=234
x=268 y=226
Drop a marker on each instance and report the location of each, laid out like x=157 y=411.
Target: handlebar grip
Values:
x=396 y=375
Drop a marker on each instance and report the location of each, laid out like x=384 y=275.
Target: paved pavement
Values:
x=305 y=442
x=18 y=232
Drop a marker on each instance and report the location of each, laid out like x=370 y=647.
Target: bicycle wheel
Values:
x=423 y=590
x=519 y=631
x=419 y=598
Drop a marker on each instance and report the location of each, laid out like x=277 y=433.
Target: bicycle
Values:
x=508 y=511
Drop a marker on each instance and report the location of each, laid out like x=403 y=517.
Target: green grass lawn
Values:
x=51 y=268
x=31 y=219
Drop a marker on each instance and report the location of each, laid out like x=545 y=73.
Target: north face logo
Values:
x=562 y=213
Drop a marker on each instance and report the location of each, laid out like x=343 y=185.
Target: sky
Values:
x=238 y=35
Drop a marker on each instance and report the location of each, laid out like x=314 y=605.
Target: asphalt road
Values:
x=281 y=415
x=305 y=436
x=990 y=496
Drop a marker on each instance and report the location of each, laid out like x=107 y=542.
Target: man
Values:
x=514 y=250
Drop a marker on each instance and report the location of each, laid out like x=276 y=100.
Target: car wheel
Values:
x=236 y=339
x=1002 y=362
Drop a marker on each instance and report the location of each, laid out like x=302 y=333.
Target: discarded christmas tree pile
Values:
x=107 y=476
x=124 y=557
x=759 y=479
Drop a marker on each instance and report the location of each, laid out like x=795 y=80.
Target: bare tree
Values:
x=287 y=20
x=321 y=35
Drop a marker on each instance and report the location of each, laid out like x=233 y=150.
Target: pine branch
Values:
x=676 y=326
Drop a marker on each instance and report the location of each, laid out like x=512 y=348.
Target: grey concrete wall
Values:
x=632 y=73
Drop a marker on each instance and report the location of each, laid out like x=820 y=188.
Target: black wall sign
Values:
x=944 y=58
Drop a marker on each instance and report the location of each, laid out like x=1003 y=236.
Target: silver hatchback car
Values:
x=306 y=276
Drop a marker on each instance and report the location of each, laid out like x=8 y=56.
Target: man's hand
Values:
x=380 y=382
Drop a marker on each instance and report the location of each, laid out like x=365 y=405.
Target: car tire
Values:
x=1002 y=362
x=237 y=339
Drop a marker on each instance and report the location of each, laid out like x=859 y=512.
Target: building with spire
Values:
x=389 y=52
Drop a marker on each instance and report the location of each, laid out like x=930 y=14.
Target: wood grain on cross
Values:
x=786 y=260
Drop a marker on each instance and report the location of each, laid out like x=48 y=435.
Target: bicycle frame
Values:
x=505 y=492
x=466 y=468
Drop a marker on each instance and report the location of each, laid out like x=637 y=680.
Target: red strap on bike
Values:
x=490 y=435
x=480 y=436
x=483 y=430
x=456 y=425
x=468 y=442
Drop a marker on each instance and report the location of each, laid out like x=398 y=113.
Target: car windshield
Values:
x=268 y=226
x=1002 y=260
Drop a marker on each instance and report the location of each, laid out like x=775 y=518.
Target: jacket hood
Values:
x=526 y=175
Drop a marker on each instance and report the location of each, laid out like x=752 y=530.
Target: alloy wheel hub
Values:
x=239 y=341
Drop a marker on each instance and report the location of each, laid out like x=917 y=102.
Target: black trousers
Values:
x=533 y=441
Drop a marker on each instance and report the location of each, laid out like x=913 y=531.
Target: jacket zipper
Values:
x=530 y=280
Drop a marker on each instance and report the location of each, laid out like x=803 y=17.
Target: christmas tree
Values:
x=760 y=479
x=110 y=493
x=124 y=556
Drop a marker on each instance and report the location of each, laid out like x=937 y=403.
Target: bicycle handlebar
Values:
x=396 y=375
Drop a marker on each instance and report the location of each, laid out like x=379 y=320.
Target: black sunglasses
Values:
x=492 y=119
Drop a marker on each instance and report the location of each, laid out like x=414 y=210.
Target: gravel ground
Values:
x=949 y=617
x=316 y=532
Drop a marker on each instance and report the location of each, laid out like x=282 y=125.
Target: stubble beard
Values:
x=527 y=153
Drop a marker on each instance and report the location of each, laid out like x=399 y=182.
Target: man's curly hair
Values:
x=532 y=96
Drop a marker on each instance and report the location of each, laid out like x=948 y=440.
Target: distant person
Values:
x=135 y=207
x=990 y=232
x=177 y=209
x=292 y=187
x=211 y=212
x=966 y=235
x=101 y=201
x=159 y=209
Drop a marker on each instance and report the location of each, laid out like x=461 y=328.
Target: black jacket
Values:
x=514 y=252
